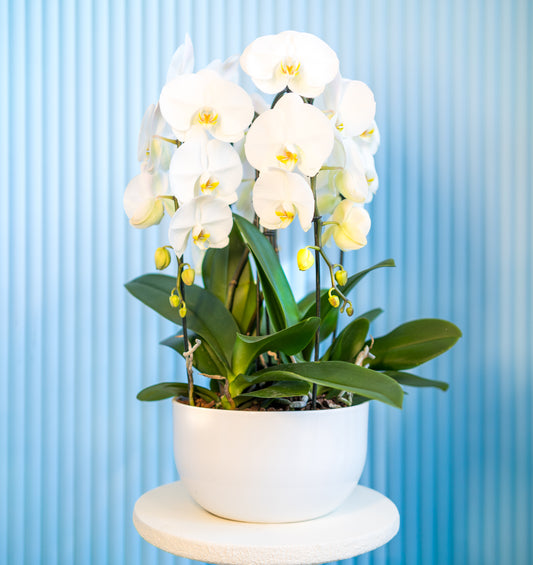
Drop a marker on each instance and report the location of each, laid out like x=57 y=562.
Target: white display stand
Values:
x=168 y=518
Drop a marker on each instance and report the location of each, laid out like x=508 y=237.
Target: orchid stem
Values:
x=186 y=337
x=317 y=228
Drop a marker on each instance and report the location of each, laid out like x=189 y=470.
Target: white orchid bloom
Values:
x=182 y=61
x=206 y=100
x=141 y=199
x=291 y=135
x=201 y=166
x=301 y=61
x=351 y=181
x=207 y=219
x=153 y=152
x=278 y=196
x=326 y=192
x=369 y=140
x=351 y=106
x=351 y=224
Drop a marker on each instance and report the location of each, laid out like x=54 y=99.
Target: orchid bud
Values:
x=183 y=310
x=174 y=300
x=349 y=311
x=305 y=259
x=341 y=277
x=162 y=258
x=334 y=300
x=187 y=276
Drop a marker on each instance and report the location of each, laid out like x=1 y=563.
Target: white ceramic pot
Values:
x=270 y=466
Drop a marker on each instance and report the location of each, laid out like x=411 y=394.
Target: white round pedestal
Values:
x=169 y=519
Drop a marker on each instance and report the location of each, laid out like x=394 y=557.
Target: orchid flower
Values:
x=349 y=227
x=153 y=152
x=141 y=202
x=278 y=196
x=207 y=219
x=291 y=135
x=201 y=166
x=206 y=100
x=350 y=104
x=300 y=61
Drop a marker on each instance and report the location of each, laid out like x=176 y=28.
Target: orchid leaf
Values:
x=279 y=299
x=220 y=271
x=161 y=391
x=206 y=315
x=339 y=375
x=349 y=342
x=408 y=379
x=281 y=389
x=204 y=358
x=413 y=343
x=290 y=341
x=328 y=313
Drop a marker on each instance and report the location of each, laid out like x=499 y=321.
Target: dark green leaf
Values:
x=413 y=343
x=279 y=299
x=350 y=341
x=204 y=358
x=281 y=389
x=219 y=269
x=407 y=379
x=206 y=315
x=328 y=314
x=161 y=391
x=339 y=375
x=371 y=315
x=290 y=341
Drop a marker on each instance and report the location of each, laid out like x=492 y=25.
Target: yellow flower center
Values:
x=287 y=158
x=200 y=237
x=209 y=185
x=290 y=67
x=207 y=117
x=340 y=126
x=367 y=133
x=285 y=212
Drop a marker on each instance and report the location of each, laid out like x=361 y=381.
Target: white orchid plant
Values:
x=209 y=146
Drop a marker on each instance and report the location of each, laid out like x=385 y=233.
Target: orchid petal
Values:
x=357 y=108
x=182 y=61
x=141 y=202
x=278 y=196
x=351 y=226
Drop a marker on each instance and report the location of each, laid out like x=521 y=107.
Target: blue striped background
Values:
x=453 y=81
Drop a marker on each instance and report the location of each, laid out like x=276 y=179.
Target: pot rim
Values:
x=278 y=413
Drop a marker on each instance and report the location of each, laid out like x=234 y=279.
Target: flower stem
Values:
x=185 y=336
x=317 y=229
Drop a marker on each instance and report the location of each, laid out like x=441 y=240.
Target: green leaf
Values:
x=328 y=314
x=413 y=343
x=290 y=341
x=281 y=389
x=407 y=379
x=206 y=315
x=279 y=299
x=371 y=315
x=204 y=358
x=350 y=341
x=161 y=391
x=339 y=375
x=219 y=268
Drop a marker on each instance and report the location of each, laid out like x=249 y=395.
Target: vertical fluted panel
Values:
x=453 y=83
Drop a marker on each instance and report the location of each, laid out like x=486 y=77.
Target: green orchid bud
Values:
x=174 y=300
x=183 y=310
x=305 y=259
x=349 y=311
x=187 y=276
x=333 y=299
x=162 y=258
x=341 y=277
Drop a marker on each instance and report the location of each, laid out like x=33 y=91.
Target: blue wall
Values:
x=453 y=82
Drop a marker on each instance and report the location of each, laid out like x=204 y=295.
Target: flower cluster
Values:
x=208 y=145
